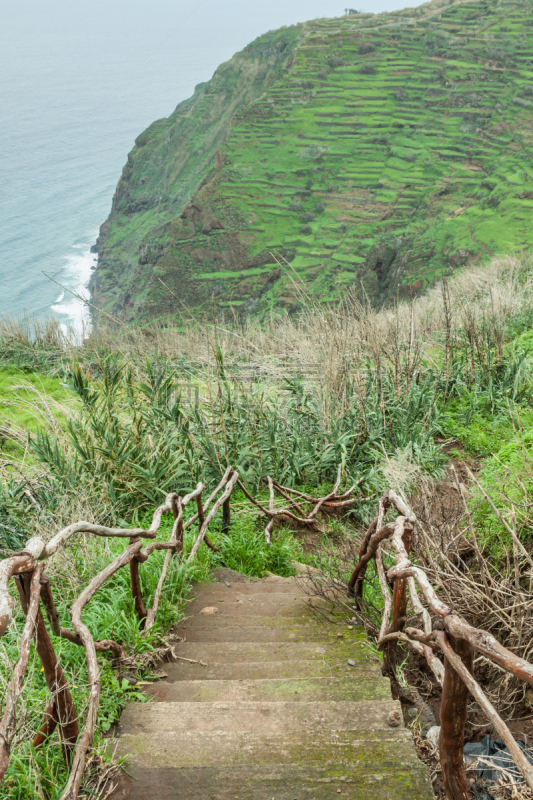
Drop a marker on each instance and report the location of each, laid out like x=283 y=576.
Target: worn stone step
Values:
x=224 y=652
x=282 y=782
x=266 y=633
x=363 y=751
x=254 y=606
x=280 y=586
x=297 y=690
x=256 y=670
x=273 y=712
x=258 y=716
x=224 y=619
x=255 y=598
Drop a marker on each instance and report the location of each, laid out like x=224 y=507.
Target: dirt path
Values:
x=287 y=708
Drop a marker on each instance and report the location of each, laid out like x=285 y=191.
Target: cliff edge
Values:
x=369 y=154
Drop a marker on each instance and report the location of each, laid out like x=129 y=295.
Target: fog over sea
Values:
x=78 y=82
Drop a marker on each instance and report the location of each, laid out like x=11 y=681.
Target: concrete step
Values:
x=377 y=751
x=258 y=670
x=227 y=652
x=296 y=690
x=274 y=712
x=283 y=782
x=288 y=586
x=241 y=608
x=224 y=619
x=258 y=716
x=254 y=605
x=266 y=633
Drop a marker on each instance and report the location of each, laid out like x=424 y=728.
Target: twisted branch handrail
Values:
x=28 y=569
x=330 y=502
x=449 y=633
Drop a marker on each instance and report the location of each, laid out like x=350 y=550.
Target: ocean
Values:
x=78 y=82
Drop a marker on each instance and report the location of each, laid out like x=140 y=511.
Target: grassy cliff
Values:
x=168 y=164
x=377 y=154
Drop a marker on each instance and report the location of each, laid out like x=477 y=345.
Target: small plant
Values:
x=367 y=69
x=336 y=61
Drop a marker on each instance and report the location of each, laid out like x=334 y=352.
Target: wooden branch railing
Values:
x=297 y=500
x=444 y=631
x=27 y=568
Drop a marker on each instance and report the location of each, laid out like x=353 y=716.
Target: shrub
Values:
x=295 y=206
x=309 y=217
x=313 y=153
x=367 y=47
x=307 y=229
x=367 y=69
x=336 y=61
x=320 y=207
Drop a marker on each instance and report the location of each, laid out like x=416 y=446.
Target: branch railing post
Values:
x=226 y=517
x=64 y=708
x=399 y=612
x=452 y=720
x=136 y=590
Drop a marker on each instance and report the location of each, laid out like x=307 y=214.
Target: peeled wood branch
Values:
x=453 y=715
x=58 y=630
x=330 y=501
x=36 y=549
x=475 y=690
x=221 y=500
x=370 y=553
x=64 y=709
x=177 y=530
x=84 y=742
x=7 y=724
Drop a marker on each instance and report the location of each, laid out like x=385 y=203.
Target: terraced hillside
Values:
x=389 y=150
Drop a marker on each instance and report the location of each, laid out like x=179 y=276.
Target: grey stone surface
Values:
x=274 y=712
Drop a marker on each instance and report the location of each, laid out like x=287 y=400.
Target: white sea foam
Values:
x=71 y=308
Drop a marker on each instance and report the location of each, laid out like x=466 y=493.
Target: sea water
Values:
x=78 y=82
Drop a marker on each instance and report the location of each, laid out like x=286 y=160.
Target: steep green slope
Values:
x=168 y=164
x=394 y=149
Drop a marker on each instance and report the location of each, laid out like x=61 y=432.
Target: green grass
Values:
x=26 y=398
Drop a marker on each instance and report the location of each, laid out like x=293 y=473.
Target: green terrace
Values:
x=392 y=150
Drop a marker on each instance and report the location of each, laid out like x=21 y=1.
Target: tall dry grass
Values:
x=322 y=342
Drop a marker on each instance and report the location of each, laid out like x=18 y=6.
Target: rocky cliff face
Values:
x=362 y=154
x=171 y=160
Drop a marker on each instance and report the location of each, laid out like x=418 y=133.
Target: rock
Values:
x=394 y=719
x=209 y=610
x=432 y=736
x=127 y=676
x=351 y=662
x=304 y=569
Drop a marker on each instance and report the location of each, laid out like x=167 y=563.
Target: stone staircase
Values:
x=277 y=713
